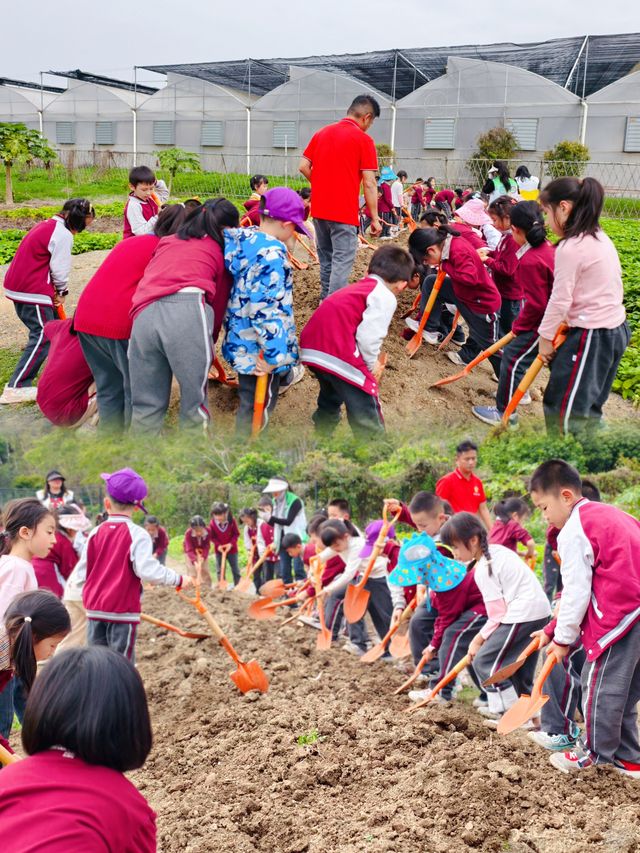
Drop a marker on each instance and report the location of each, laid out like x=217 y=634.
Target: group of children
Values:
x=474 y=595
x=191 y=269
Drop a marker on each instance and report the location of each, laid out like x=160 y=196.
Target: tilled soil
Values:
x=409 y=404
x=227 y=774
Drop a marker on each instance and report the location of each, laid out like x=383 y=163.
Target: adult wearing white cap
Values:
x=55 y=493
x=288 y=516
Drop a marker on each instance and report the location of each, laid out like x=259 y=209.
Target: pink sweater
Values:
x=16 y=576
x=587 y=287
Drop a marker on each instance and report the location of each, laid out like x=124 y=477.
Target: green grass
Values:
x=8 y=359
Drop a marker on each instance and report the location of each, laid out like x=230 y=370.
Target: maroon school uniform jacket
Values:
x=55 y=802
x=385 y=201
x=192 y=543
x=104 y=307
x=344 y=334
x=252 y=206
x=148 y=208
x=472 y=284
x=160 y=542
x=224 y=534
x=470 y=235
x=417 y=197
x=445 y=195
x=41 y=265
x=63 y=388
x=53 y=570
x=503 y=262
x=116 y=560
x=453 y=603
x=267 y=534
x=534 y=274
x=508 y=534
x=177 y=264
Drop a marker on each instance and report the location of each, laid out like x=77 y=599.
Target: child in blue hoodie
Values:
x=260 y=334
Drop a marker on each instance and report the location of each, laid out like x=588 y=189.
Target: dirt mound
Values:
x=227 y=773
x=408 y=402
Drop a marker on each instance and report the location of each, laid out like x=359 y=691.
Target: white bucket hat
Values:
x=275 y=484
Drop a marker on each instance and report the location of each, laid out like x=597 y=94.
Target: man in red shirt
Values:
x=336 y=161
x=462 y=489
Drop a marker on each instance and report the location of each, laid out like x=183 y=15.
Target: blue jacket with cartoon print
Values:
x=259 y=315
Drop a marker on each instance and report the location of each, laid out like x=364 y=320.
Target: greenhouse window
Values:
x=212 y=133
x=163 y=133
x=439 y=133
x=632 y=134
x=65 y=132
x=525 y=131
x=104 y=133
x=285 y=134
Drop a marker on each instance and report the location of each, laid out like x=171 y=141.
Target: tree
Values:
x=498 y=143
x=386 y=154
x=177 y=160
x=567 y=159
x=19 y=144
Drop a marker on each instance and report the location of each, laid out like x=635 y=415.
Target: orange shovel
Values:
x=307 y=247
x=265 y=608
x=168 y=627
x=276 y=588
x=400 y=646
x=454 y=326
x=259 y=399
x=324 y=637
x=245 y=582
x=356 y=598
x=530 y=375
x=377 y=651
x=62 y=314
x=481 y=357
x=249 y=675
x=218 y=374
x=449 y=677
x=414 y=306
x=416 y=341
x=508 y=670
x=528 y=706
x=222 y=575
x=7 y=757
x=416 y=672
x=305 y=608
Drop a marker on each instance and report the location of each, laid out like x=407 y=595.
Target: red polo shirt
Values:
x=463 y=495
x=339 y=153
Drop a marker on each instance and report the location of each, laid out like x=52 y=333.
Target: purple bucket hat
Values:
x=372 y=532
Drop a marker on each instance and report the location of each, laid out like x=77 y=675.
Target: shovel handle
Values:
x=533 y=646
x=489 y=351
x=258 y=403
x=454 y=326
x=379 y=544
x=268 y=550
x=544 y=673
x=7 y=757
x=424 y=660
x=558 y=339
x=406 y=613
x=416 y=340
x=449 y=677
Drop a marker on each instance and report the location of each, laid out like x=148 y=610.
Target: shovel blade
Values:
x=373 y=654
x=273 y=589
x=250 y=676
x=243 y=585
x=518 y=714
x=223 y=584
x=323 y=641
x=356 y=600
x=400 y=646
x=257 y=609
x=503 y=674
x=414 y=344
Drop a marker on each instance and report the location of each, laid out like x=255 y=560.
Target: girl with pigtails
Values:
x=587 y=295
x=34 y=624
x=516 y=607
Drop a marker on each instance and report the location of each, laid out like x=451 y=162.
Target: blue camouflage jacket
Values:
x=259 y=315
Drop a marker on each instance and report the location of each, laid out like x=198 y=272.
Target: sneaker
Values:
x=412 y=323
x=555 y=743
x=353 y=649
x=491 y=415
x=455 y=358
x=492 y=723
x=419 y=695
x=568 y=762
x=490 y=715
x=480 y=703
x=296 y=373
x=627 y=768
x=459 y=337
x=18 y=395
x=526 y=400
x=433 y=338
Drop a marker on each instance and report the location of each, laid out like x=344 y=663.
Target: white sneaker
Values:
x=412 y=324
x=526 y=400
x=419 y=695
x=297 y=372
x=454 y=356
x=433 y=338
x=480 y=703
x=352 y=649
x=18 y=395
x=490 y=715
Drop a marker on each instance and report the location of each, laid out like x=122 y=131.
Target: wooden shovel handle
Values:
x=7 y=757
x=379 y=544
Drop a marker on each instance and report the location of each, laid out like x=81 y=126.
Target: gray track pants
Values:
x=107 y=358
x=565 y=693
x=502 y=648
x=171 y=337
x=610 y=696
x=337 y=243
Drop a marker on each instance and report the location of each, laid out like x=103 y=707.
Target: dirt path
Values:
x=227 y=774
x=409 y=404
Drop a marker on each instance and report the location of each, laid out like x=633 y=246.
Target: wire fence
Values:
x=94 y=171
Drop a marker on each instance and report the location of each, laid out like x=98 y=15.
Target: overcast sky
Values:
x=111 y=37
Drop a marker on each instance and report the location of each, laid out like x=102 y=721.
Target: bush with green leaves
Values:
x=567 y=158
x=176 y=161
x=498 y=143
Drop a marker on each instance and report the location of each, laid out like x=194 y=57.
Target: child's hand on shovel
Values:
x=559 y=651
x=428 y=654
x=546 y=350
x=393 y=505
x=475 y=645
x=262 y=368
x=187 y=582
x=543 y=639
x=395 y=618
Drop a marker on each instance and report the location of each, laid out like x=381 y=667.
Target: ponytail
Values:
x=30 y=618
x=24 y=512
x=527 y=216
x=587 y=197
x=75 y=213
x=423 y=238
x=484 y=546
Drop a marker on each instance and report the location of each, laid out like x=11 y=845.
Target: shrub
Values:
x=495 y=144
x=386 y=154
x=567 y=159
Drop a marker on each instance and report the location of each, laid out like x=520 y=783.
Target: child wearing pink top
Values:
x=587 y=296
x=508 y=530
x=76 y=761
